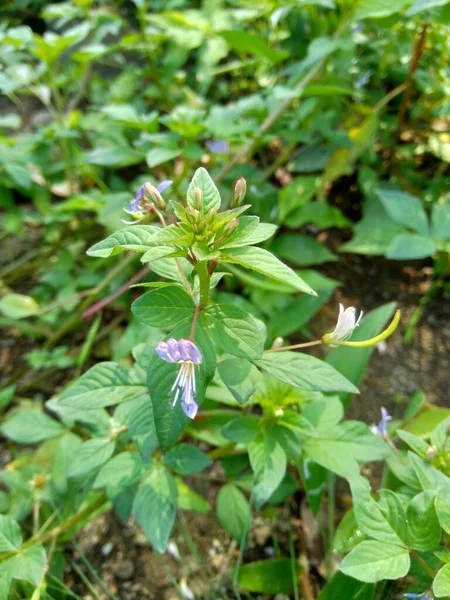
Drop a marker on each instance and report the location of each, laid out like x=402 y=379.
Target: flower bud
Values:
x=198 y=199
x=211 y=215
x=152 y=194
x=278 y=342
x=431 y=452
x=240 y=189
x=230 y=227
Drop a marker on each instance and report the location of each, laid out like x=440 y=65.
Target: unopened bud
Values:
x=278 y=342
x=240 y=189
x=230 y=227
x=198 y=199
x=39 y=481
x=192 y=215
x=211 y=215
x=152 y=194
x=431 y=452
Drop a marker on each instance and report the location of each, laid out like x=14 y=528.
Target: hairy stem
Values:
x=294 y=346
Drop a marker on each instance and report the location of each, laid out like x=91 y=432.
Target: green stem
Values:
x=423 y=564
x=204 y=279
x=331 y=498
x=61 y=528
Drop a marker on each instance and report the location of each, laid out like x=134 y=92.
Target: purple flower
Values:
x=218 y=146
x=136 y=207
x=187 y=354
x=363 y=79
x=381 y=428
x=422 y=596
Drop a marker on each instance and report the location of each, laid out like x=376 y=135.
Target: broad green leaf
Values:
x=323 y=412
x=299 y=424
x=301 y=250
x=211 y=195
x=18 y=306
x=158 y=156
x=159 y=252
x=262 y=261
x=392 y=508
x=341 y=586
x=10 y=534
x=421 y=5
x=186 y=459
x=234 y=331
x=384 y=521
x=170 y=420
x=240 y=376
x=373 y=561
x=187 y=499
x=91 y=455
x=163 y=307
x=439 y=437
x=233 y=512
x=121 y=471
x=31 y=426
x=104 y=384
x=305 y=372
x=348 y=534
x=268 y=461
x=272 y=576
x=379 y=8
x=352 y=362
x=249 y=231
x=419 y=446
x=142 y=429
x=27 y=565
x=440 y=218
x=63 y=456
x=249 y=43
x=404 y=209
x=441 y=583
x=137 y=238
x=423 y=522
x=241 y=430
x=155 y=507
x=408 y=246
x=114 y=156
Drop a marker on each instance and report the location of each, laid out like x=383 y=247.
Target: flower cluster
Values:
x=185 y=353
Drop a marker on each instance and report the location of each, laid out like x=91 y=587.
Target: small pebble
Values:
x=125 y=570
x=106 y=549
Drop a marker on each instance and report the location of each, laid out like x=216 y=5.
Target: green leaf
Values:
x=342 y=586
x=233 y=512
x=352 y=362
x=186 y=459
x=91 y=455
x=137 y=238
x=10 y=534
x=187 y=499
x=18 y=306
x=385 y=522
x=348 y=535
x=273 y=576
x=158 y=156
x=423 y=522
x=419 y=446
x=407 y=246
x=27 y=565
x=441 y=583
x=234 y=331
x=339 y=447
x=249 y=231
x=31 y=426
x=301 y=250
x=155 y=507
x=440 y=218
x=305 y=372
x=241 y=430
x=142 y=429
x=104 y=384
x=262 y=261
x=379 y=8
x=249 y=43
x=163 y=307
x=240 y=376
x=404 y=209
x=170 y=421
x=211 y=195
x=421 y=5
x=120 y=472
x=114 y=156
x=373 y=561
x=64 y=454
x=268 y=461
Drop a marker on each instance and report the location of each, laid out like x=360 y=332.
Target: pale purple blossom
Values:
x=345 y=325
x=218 y=146
x=136 y=207
x=185 y=353
x=381 y=428
x=361 y=82
x=422 y=596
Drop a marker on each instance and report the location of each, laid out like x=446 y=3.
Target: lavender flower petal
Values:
x=218 y=146
x=164 y=185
